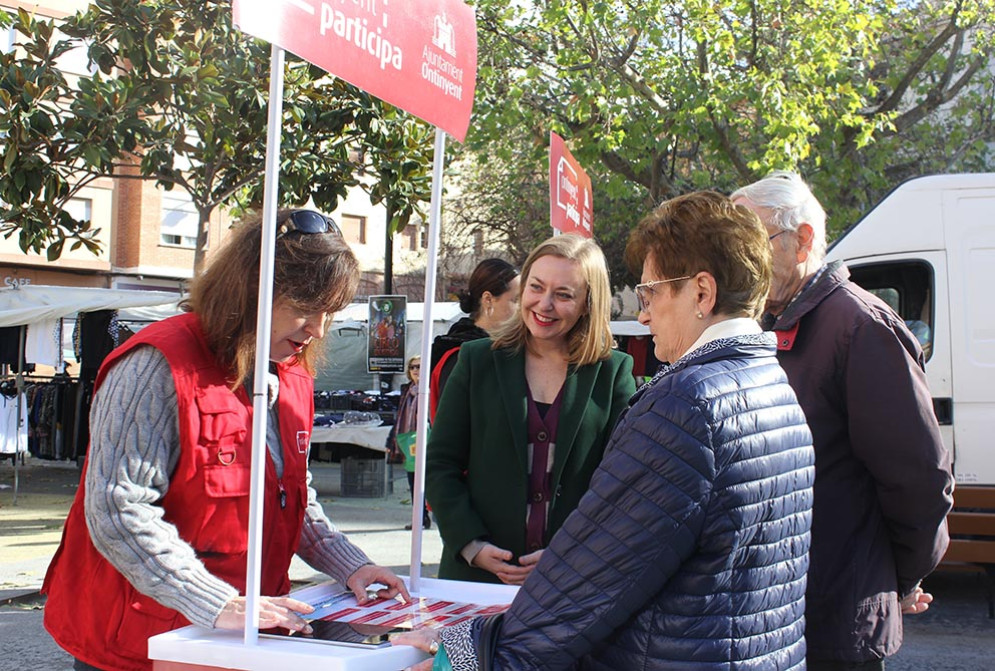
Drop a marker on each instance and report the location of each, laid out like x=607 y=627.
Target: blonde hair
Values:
x=313 y=272
x=590 y=339
x=407 y=367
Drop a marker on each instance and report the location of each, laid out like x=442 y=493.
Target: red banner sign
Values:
x=571 y=202
x=418 y=55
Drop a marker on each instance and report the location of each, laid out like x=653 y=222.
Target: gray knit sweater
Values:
x=134 y=449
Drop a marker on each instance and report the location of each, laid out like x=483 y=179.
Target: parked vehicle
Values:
x=928 y=250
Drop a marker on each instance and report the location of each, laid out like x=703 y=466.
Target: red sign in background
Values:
x=571 y=200
x=419 y=55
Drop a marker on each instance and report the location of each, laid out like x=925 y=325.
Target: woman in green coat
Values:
x=524 y=418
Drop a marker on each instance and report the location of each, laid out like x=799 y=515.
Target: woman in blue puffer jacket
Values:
x=690 y=549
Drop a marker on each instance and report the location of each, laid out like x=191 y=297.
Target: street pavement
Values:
x=954 y=635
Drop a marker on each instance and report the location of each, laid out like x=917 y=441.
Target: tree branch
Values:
x=894 y=100
x=730 y=148
x=618 y=164
x=642 y=86
x=721 y=128
x=937 y=97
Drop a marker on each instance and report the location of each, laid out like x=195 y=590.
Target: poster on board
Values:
x=388 y=326
x=571 y=202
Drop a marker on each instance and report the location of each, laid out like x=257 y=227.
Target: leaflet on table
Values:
x=421 y=612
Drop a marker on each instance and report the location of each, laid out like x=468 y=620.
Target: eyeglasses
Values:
x=645 y=290
x=414 y=367
x=307 y=221
x=771 y=237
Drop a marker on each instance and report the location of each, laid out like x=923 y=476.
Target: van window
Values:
x=906 y=286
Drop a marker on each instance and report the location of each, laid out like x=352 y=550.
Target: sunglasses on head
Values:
x=307 y=221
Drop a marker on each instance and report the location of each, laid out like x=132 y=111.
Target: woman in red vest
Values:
x=157 y=536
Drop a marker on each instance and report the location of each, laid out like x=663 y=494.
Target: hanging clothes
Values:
x=81 y=423
x=51 y=420
x=10 y=344
x=95 y=336
x=13 y=433
x=43 y=343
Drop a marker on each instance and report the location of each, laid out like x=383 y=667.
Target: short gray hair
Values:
x=791 y=203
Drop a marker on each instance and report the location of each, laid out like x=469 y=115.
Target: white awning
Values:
x=32 y=303
x=352 y=316
x=441 y=312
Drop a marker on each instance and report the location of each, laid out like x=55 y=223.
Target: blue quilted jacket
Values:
x=690 y=549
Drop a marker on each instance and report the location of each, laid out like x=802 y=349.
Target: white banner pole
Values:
x=421 y=437
x=264 y=318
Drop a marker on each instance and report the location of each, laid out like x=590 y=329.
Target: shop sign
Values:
x=12 y=282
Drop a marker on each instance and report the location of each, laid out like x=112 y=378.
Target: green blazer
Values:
x=476 y=465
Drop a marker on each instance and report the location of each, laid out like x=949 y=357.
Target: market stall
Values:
x=45 y=326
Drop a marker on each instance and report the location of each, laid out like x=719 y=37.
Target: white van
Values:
x=928 y=250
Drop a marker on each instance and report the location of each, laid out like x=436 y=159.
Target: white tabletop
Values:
x=371 y=437
x=227 y=650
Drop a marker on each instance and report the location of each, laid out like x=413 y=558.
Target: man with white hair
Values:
x=883 y=484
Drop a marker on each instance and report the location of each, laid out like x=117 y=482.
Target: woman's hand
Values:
x=530 y=560
x=527 y=564
x=274 y=611
x=426 y=640
x=366 y=575
x=494 y=559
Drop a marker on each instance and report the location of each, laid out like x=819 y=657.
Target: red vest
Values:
x=92 y=611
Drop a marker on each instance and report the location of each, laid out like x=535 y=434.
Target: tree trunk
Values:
x=388 y=252
x=203 y=230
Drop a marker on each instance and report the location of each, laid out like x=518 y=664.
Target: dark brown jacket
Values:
x=883 y=483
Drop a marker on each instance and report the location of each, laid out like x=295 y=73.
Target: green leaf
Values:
x=10 y=156
x=55 y=250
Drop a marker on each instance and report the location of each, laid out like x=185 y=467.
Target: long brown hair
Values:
x=312 y=272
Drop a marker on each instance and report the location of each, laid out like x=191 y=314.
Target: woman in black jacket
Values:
x=489 y=301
